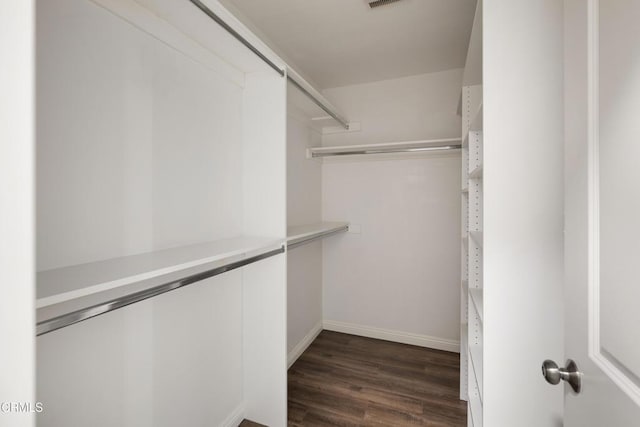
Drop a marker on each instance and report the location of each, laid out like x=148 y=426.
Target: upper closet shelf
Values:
x=69 y=283
x=210 y=34
x=302 y=234
x=316 y=107
x=445 y=144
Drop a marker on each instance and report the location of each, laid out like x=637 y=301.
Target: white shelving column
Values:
x=471 y=334
x=471 y=363
x=471 y=262
x=464 y=261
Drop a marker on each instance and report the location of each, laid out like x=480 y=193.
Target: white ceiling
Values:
x=343 y=42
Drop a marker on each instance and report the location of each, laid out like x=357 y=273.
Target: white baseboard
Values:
x=395 y=336
x=235 y=418
x=303 y=344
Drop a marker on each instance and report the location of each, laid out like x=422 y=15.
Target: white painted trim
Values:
x=304 y=343
x=17 y=197
x=608 y=366
x=394 y=336
x=235 y=418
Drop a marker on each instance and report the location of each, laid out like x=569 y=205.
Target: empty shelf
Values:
x=69 y=295
x=476 y=298
x=476 y=173
x=476 y=236
x=299 y=235
x=68 y=283
x=476 y=121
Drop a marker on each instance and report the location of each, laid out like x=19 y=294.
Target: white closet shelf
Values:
x=476 y=173
x=463 y=340
x=476 y=121
x=465 y=190
x=476 y=298
x=477 y=237
x=301 y=234
x=476 y=364
x=78 y=281
x=475 y=406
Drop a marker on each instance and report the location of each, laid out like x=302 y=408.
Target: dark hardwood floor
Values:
x=346 y=380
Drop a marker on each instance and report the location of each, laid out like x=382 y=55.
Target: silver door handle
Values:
x=553 y=374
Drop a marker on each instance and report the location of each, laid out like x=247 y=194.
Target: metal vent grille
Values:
x=376 y=3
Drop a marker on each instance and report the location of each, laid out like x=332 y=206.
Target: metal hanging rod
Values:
x=339 y=119
x=395 y=147
x=68 y=319
x=388 y=150
x=255 y=50
x=235 y=34
x=317 y=236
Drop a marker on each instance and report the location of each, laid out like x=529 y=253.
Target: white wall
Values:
x=523 y=210
x=112 y=181
x=17 y=323
x=409 y=108
x=304 y=263
x=399 y=278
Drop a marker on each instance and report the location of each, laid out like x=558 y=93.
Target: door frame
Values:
x=17 y=225
x=610 y=368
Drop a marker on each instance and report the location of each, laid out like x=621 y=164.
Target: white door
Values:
x=602 y=210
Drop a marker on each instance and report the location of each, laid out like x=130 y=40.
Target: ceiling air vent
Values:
x=376 y=3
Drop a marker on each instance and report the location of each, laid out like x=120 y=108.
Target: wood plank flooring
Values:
x=346 y=380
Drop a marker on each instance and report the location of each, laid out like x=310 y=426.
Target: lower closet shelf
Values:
x=301 y=234
x=70 y=294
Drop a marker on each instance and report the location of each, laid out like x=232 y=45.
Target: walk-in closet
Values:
x=331 y=213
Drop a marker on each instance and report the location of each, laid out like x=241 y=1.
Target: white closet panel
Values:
x=157 y=159
x=156 y=363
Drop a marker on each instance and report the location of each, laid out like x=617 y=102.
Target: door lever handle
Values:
x=553 y=374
